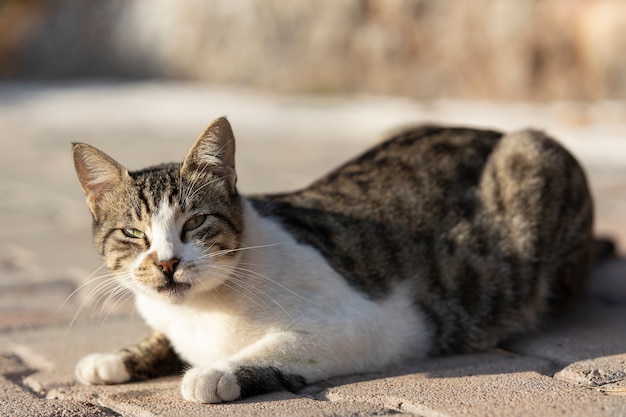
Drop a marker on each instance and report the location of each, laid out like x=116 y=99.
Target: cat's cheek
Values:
x=192 y=251
x=100 y=369
x=209 y=386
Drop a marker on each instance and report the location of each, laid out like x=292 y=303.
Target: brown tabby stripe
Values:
x=475 y=221
x=150 y=358
x=365 y=225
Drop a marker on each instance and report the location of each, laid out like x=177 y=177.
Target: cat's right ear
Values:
x=97 y=173
x=214 y=150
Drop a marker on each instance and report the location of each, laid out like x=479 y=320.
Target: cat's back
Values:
x=399 y=176
x=402 y=190
x=455 y=210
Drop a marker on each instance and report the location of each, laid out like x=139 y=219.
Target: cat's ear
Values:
x=214 y=150
x=97 y=172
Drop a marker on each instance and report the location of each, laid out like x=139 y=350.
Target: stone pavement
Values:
x=49 y=317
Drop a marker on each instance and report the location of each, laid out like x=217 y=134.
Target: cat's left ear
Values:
x=98 y=174
x=214 y=150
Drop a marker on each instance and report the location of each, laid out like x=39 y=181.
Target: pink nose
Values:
x=168 y=267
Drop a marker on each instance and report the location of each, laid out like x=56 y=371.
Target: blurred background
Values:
x=486 y=49
x=306 y=85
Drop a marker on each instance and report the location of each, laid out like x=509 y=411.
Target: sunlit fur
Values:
x=439 y=240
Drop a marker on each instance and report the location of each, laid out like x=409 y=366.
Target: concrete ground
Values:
x=52 y=312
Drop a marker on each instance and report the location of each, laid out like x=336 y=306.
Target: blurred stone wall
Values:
x=503 y=49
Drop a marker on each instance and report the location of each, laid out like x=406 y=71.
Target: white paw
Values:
x=101 y=368
x=206 y=385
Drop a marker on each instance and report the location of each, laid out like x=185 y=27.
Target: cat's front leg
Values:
x=150 y=358
x=276 y=362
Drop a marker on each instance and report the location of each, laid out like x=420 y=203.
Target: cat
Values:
x=439 y=240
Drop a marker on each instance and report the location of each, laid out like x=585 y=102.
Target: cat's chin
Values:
x=174 y=292
x=175 y=288
x=180 y=292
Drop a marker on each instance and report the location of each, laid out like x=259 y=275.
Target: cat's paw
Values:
x=207 y=385
x=101 y=368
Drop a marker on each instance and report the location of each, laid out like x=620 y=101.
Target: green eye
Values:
x=194 y=222
x=133 y=233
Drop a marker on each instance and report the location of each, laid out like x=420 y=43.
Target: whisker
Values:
x=253 y=274
x=228 y=276
x=251 y=299
x=227 y=251
x=206 y=184
x=246 y=285
x=181 y=192
x=121 y=294
x=89 y=280
x=95 y=296
x=191 y=192
x=111 y=293
x=194 y=178
x=110 y=283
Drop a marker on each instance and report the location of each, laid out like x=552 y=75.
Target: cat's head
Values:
x=169 y=231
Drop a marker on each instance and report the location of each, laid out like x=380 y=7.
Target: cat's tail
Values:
x=603 y=249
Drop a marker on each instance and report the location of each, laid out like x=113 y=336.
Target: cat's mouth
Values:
x=173 y=288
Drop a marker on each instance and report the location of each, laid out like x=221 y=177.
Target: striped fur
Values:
x=493 y=231
x=438 y=240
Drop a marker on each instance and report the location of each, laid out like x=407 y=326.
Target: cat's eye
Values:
x=194 y=222
x=133 y=233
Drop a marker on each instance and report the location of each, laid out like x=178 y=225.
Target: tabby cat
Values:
x=438 y=240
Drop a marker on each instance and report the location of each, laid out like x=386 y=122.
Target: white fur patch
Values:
x=101 y=368
x=165 y=239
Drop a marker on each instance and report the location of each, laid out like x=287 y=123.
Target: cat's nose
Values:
x=168 y=267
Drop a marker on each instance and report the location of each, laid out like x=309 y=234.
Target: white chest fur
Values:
x=202 y=337
x=293 y=289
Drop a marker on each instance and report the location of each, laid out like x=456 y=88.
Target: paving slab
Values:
x=588 y=344
x=605 y=374
x=162 y=398
x=17 y=401
x=592 y=330
x=48 y=319
x=498 y=382
x=53 y=351
x=481 y=385
x=44 y=359
x=49 y=354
